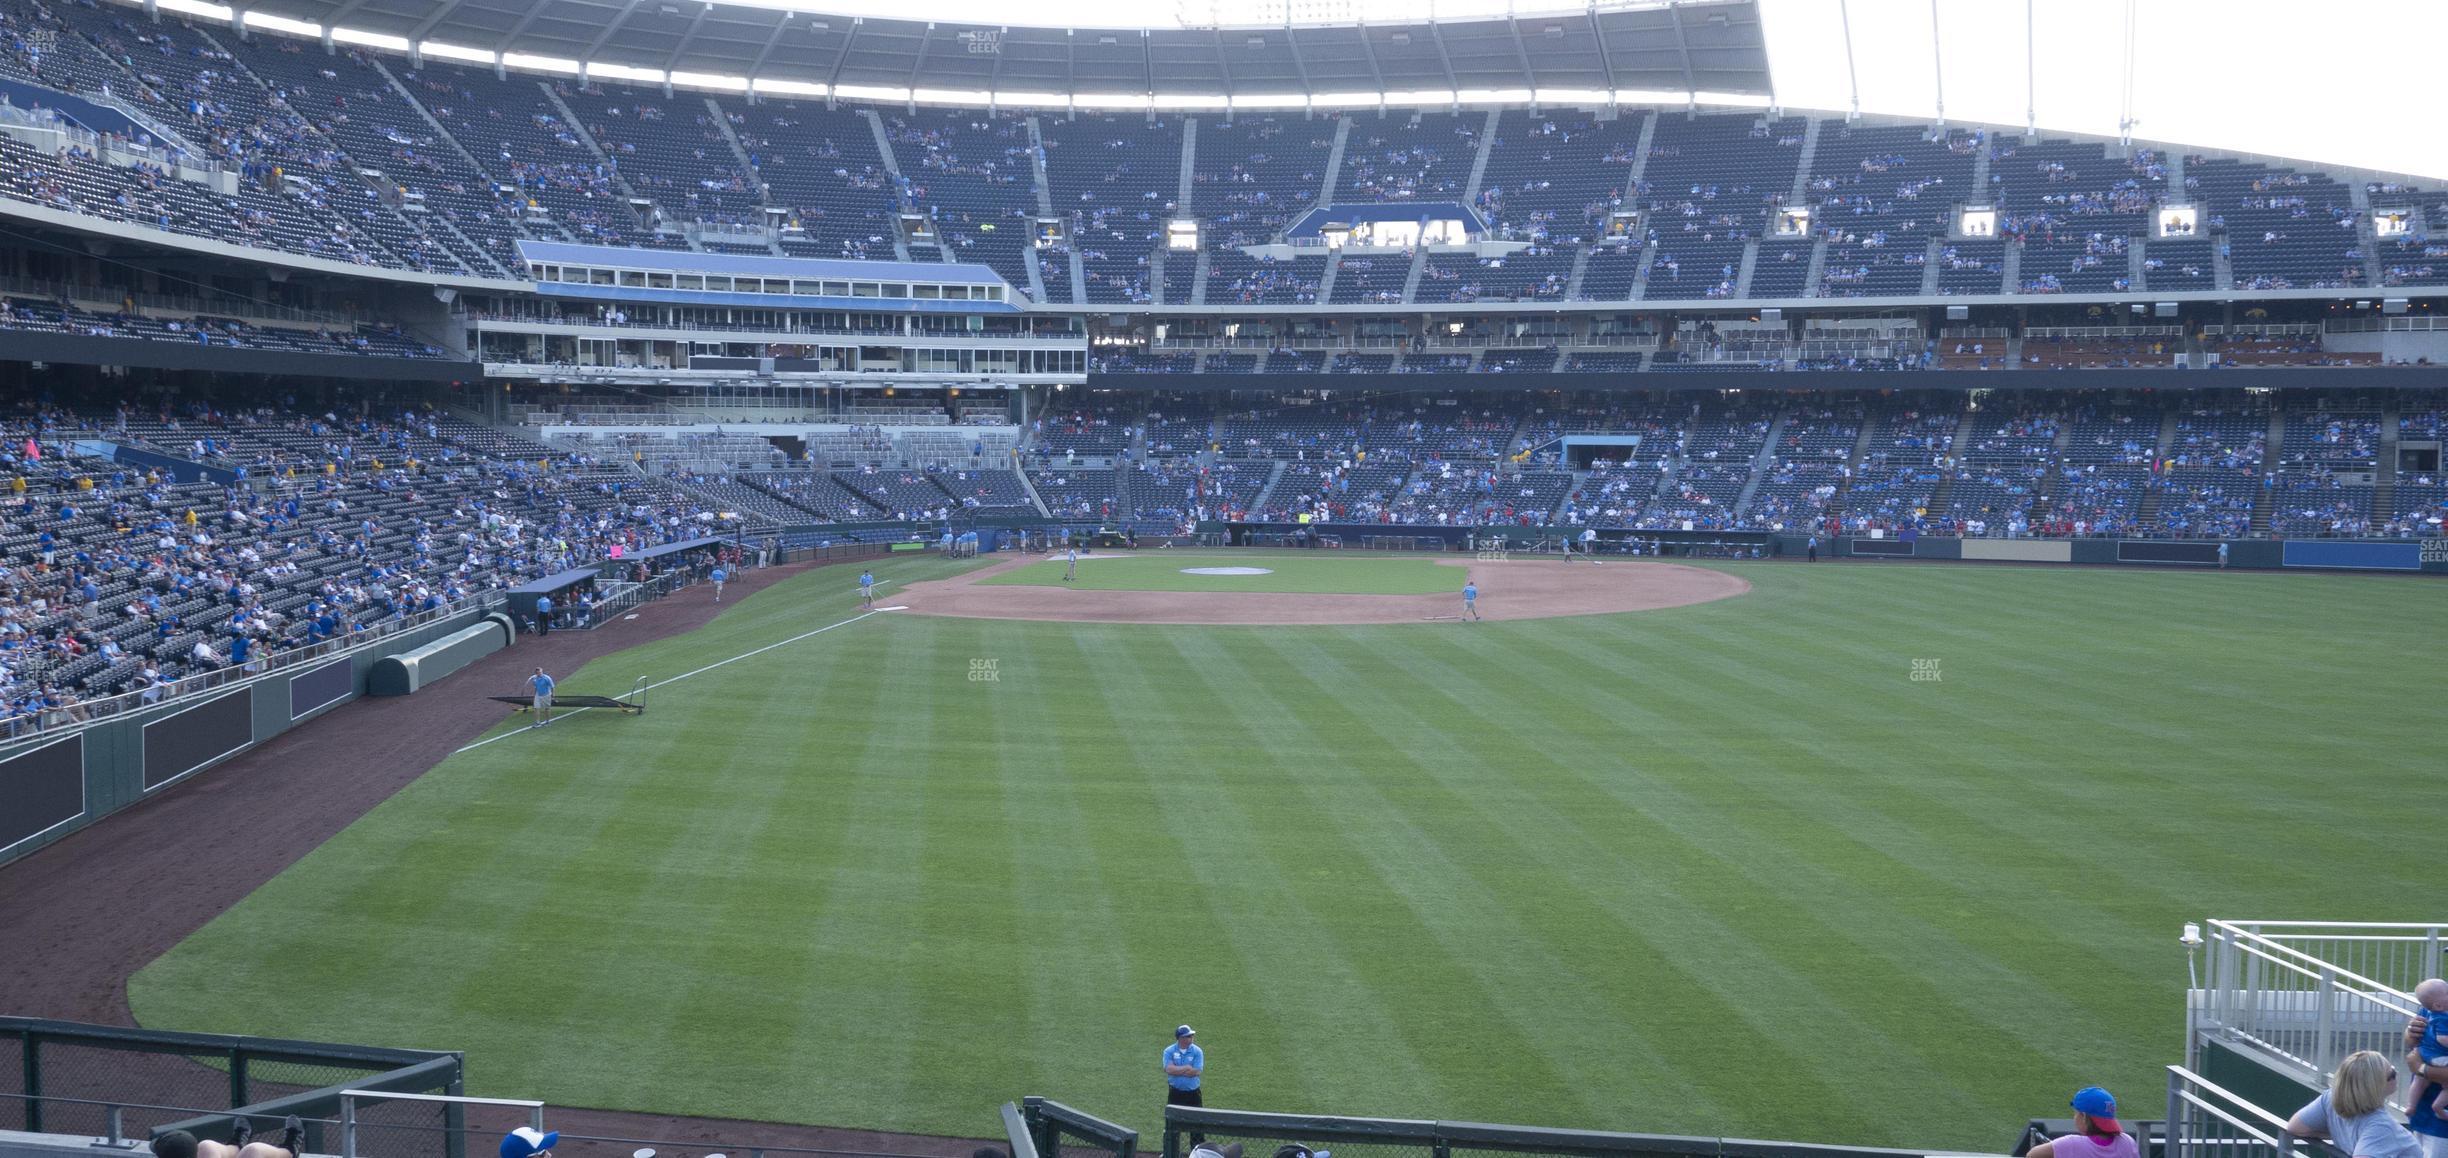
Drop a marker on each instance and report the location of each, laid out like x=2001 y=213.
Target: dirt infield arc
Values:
x=1509 y=589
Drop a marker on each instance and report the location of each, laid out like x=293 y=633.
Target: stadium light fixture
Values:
x=596 y=68
x=196 y=8
x=868 y=92
x=449 y=51
x=710 y=81
x=372 y=39
x=951 y=96
x=523 y=61
x=281 y=24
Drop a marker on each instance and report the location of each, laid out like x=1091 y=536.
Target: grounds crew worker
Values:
x=1184 y=1061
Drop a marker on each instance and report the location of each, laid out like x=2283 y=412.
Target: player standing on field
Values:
x=867 y=590
x=1470 y=598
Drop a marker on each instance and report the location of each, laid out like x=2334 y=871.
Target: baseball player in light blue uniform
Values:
x=867 y=590
x=1470 y=598
x=1071 y=570
x=718 y=576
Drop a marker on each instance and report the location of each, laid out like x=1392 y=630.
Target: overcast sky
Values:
x=2339 y=81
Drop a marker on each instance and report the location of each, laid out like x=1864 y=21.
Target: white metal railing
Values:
x=2304 y=994
x=350 y=1098
x=2205 y=1121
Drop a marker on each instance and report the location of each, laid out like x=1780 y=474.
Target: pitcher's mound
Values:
x=1527 y=589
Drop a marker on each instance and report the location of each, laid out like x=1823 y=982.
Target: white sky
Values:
x=2337 y=81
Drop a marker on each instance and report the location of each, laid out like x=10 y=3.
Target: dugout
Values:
x=562 y=589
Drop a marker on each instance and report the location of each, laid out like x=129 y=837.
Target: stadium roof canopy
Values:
x=1644 y=51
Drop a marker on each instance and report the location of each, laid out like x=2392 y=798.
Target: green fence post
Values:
x=238 y=1077
x=33 y=1083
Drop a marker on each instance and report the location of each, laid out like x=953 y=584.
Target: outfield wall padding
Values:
x=203 y=733
x=2353 y=554
x=113 y=762
x=44 y=788
x=2020 y=550
x=321 y=687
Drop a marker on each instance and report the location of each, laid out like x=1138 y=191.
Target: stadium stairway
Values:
x=1750 y=261
x=2013 y=280
x=2147 y=514
x=1334 y=167
x=1640 y=277
x=2384 y=479
x=1572 y=286
x=739 y=153
x=1479 y=164
x=2265 y=499
x=1929 y=266
x=1762 y=462
x=1940 y=494
x=1411 y=278
x=2045 y=496
x=901 y=201
x=586 y=137
x=1853 y=468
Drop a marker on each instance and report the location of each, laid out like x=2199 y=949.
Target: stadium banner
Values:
x=1891 y=548
x=2193 y=554
x=2358 y=555
x=2020 y=550
x=41 y=790
x=322 y=687
x=184 y=741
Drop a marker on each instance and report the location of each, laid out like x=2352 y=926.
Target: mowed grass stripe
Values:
x=1530 y=787
x=1681 y=870
x=1774 y=923
x=1273 y=899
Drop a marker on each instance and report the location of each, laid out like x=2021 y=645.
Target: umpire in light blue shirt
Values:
x=1184 y=1061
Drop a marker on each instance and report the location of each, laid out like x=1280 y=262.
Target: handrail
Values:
x=2320 y=967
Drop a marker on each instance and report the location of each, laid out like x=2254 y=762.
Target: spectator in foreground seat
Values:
x=2097 y=1133
x=2353 y=1112
x=2430 y=1080
x=181 y=1144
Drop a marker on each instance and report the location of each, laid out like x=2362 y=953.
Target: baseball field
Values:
x=1867 y=854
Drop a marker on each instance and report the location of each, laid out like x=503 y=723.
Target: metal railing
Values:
x=2206 y=1121
x=51 y=723
x=2302 y=993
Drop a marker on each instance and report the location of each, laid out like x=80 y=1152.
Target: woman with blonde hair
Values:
x=2353 y=1112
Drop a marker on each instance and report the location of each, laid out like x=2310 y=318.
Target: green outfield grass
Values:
x=1305 y=573
x=1727 y=869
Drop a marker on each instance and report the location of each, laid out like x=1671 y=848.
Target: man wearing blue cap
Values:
x=1184 y=1061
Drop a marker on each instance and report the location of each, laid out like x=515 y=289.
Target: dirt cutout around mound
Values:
x=1508 y=589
